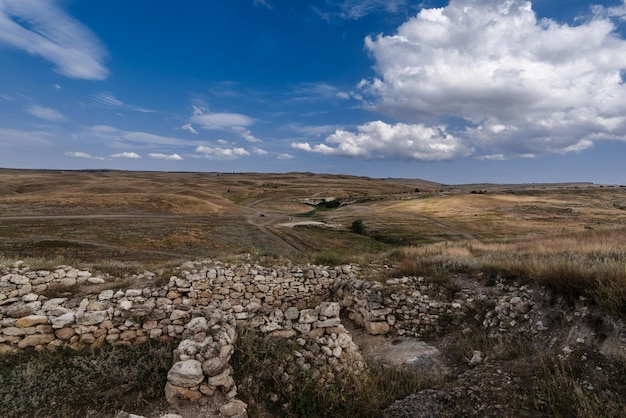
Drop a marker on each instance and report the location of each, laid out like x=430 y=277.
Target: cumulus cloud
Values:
x=84 y=155
x=220 y=120
x=45 y=113
x=219 y=153
x=126 y=155
x=159 y=156
x=379 y=140
x=284 y=156
x=41 y=28
x=259 y=151
x=510 y=83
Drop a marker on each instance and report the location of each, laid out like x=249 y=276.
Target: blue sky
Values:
x=458 y=92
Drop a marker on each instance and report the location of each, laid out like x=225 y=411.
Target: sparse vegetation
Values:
x=329 y=258
x=67 y=383
x=579 y=386
x=266 y=369
x=589 y=263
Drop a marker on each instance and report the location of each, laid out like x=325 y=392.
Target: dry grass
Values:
x=268 y=380
x=592 y=263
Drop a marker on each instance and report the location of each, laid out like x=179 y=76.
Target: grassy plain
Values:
x=154 y=217
x=570 y=237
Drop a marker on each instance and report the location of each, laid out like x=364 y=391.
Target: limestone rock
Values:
x=92 y=318
x=31 y=321
x=186 y=373
x=329 y=309
x=19 y=310
x=215 y=366
x=173 y=393
x=35 y=339
x=307 y=316
x=234 y=408
x=63 y=320
x=376 y=328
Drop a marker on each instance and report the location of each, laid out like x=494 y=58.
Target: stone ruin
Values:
x=203 y=303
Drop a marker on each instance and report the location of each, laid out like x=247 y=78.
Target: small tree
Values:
x=358 y=226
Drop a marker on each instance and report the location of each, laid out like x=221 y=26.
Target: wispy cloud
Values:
x=171 y=157
x=284 y=156
x=45 y=113
x=108 y=100
x=262 y=3
x=126 y=155
x=14 y=137
x=78 y=154
x=41 y=28
x=190 y=128
x=111 y=134
x=105 y=99
x=357 y=9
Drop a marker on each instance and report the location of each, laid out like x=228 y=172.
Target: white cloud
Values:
x=41 y=28
x=106 y=99
x=263 y=3
x=159 y=156
x=259 y=151
x=45 y=113
x=82 y=155
x=15 y=138
x=219 y=121
x=311 y=130
x=189 y=127
x=247 y=135
x=219 y=153
x=516 y=85
x=379 y=140
x=357 y=9
x=126 y=155
x=111 y=135
x=284 y=156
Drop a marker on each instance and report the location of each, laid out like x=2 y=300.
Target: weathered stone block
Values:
x=31 y=320
x=186 y=374
x=35 y=339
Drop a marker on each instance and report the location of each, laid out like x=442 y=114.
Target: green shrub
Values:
x=358 y=227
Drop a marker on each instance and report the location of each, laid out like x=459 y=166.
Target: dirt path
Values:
x=265 y=219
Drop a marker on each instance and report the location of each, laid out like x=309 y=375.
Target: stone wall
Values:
x=402 y=306
x=29 y=318
x=202 y=303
